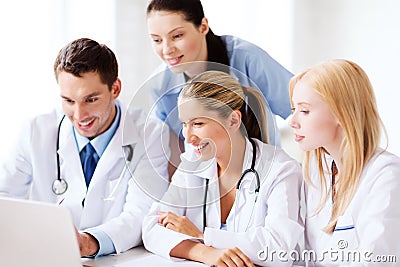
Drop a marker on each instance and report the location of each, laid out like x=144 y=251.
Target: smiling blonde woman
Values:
x=232 y=195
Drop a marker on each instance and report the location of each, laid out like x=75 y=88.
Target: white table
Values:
x=137 y=256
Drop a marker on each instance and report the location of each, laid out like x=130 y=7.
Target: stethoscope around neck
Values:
x=247 y=171
x=60 y=185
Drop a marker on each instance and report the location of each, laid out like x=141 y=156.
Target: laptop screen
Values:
x=36 y=234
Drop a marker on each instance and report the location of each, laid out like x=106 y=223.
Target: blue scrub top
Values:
x=250 y=64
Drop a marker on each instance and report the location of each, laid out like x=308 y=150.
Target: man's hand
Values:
x=88 y=245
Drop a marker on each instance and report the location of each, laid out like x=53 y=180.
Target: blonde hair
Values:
x=345 y=87
x=219 y=91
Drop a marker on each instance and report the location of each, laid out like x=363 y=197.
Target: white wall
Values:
x=297 y=33
x=301 y=33
x=134 y=50
x=267 y=23
x=34 y=31
x=365 y=31
x=27 y=80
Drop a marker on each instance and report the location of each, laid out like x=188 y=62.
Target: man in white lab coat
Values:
x=87 y=163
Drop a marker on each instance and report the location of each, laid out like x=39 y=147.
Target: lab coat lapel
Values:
x=69 y=154
x=114 y=158
x=107 y=170
x=204 y=170
x=240 y=200
x=240 y=214
x=110 y=163
x=213 y=207
x=130 y=137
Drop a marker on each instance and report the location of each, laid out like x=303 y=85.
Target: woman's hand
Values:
x=179 y=224
x=197 y=251
x=232 y=257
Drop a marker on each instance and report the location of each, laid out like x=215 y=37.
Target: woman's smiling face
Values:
x=205 y=130
x=176 y=40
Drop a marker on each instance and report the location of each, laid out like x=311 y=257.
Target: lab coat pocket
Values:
x=345 y=236
x=113 y=195
x=110 y=189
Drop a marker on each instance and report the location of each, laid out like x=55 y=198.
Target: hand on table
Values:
x=179 y=224
x=232 y=257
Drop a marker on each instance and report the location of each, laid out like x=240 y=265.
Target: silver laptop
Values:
x=36 y=234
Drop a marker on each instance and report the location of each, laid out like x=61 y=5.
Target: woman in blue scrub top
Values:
x=181 y=35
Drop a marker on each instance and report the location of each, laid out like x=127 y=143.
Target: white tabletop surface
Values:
x=138 y=256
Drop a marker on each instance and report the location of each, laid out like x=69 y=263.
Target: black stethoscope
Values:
x=60 y=186
x=251 y=170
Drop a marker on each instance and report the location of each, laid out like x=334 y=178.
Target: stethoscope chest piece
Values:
x=60 y=186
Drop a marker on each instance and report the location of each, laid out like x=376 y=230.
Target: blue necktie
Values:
x=89 y=163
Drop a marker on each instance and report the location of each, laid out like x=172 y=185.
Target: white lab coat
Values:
x=113 y=203
x=374 y=213
x=274 y=222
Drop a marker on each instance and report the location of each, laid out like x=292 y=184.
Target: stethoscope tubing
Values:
x=60 y=185
x=251 y=170
x=57 y=147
